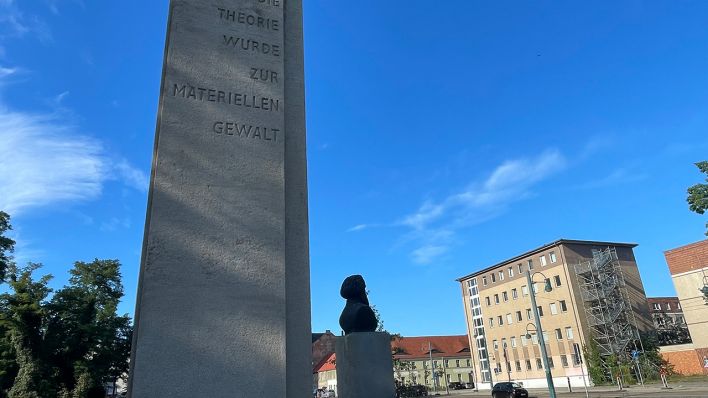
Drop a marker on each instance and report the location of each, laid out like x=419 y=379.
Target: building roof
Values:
x=441 y=346
x=327 y=363
x=545 y=247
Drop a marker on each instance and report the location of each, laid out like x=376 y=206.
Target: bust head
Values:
x=354 y=288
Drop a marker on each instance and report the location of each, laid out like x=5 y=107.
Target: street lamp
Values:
x=539 y=329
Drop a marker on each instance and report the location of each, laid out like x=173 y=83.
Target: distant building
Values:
x=322 y=352
x=688 y=266
x=668 y=320
x=325 y=373
x=450 y=360
x=596 y=291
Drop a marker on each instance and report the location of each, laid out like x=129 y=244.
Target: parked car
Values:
x=456 y=385
x=411 y=391
x=469 y=385
x=509 y=390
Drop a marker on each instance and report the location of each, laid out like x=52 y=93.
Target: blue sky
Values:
x=441 y=139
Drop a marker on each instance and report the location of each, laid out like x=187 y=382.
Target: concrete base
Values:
x=364 y=366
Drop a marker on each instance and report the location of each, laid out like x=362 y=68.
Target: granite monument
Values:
x=223 y=305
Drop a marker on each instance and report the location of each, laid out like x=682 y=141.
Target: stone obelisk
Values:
x=223 y=307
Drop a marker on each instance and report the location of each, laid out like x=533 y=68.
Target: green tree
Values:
x=698 y=194
x=594 y=363
x=7 y=245
x=89 y=342
x=23 y=317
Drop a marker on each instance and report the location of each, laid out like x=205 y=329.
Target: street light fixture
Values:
x=539 y=329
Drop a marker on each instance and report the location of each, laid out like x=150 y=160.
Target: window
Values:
x=668 y=307
x=524 y=341
x=564 y=361
x=435 y=364
x=552 y=255
x=495 y=344
x=496 y=299
x=678 y=306
x=525 y=290
x=542 y=259
x=539 y=364
x=500 y=320
x=529 y=263
x=559 y=334
x=576 y=355
x=564 y=307
x=501 y=275
x=514 y=293
x=519 y=317
x=569 y=333
x=505 y=296
x=518 y=366
x=657 y=306
x=528 y=314
x=550 y=362
x=447 y=363
x=511 y=271
x=504 y=343
x=535 y=287
x=557 y=280
x=491 y=322
x=521 y=270
x=540 y=311
x=528 y=364
x=554 y=309
x=468 y=363
x=489 y=302
x=457 y=363
x=513 y=342
x=545 y=337
x=534 y=338
x=484 y=280
x=508 y=319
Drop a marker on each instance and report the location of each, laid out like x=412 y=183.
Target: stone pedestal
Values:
x=364 y=366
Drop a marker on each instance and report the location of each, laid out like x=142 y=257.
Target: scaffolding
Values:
x=607 y=306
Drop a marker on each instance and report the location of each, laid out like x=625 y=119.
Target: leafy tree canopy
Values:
x=698 y=194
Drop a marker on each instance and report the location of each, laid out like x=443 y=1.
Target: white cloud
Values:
x=426 y=254
x=357 y=228
x=618 y=176
x=14 y=23
x=434 y=224
x=44 y=161
x=43 y=164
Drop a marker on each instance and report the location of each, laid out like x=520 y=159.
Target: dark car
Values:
x=509 y=390
x=411 y=391
x=456 y=385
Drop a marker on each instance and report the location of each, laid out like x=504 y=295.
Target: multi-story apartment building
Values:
x=596 y=293
x=432 y=361
x=670 y=325
x=688 y=266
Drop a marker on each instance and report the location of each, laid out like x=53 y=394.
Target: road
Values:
x=692 y=389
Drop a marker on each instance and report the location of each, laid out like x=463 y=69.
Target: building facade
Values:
x=583 y=275
x=432 y=361
x=688 y=266
x=669 y=322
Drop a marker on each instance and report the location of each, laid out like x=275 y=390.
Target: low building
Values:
x=322 y=353
x=671 y=328
x=432 y=361
x=688 y=266
x=325 y=373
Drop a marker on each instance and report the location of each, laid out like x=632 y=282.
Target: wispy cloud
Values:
x=15 y=23
x=618 y=176
x=45 y=161
x=432 y=227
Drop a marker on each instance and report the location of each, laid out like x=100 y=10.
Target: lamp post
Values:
x=539 y=329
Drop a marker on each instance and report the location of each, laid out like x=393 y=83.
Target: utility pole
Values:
x=539 y=332
x=432 y=368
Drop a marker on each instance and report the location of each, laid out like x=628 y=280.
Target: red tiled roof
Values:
x=441 y=346
x=327 y=363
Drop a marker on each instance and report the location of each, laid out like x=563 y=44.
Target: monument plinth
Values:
x=223 y=304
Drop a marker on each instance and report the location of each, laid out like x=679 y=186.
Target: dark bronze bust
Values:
x=357 y=315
